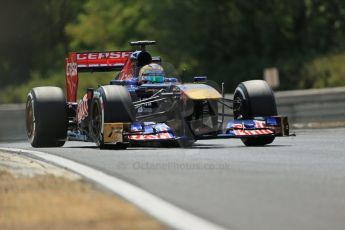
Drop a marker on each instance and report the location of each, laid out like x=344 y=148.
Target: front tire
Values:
x=113 y=104
x=46 y=117
x=256 y=99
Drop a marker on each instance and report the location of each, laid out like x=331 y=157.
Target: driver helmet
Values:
x=151 y=73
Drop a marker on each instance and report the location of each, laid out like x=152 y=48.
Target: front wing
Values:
x=161 y=132
x=150 y=131
x=257 y=127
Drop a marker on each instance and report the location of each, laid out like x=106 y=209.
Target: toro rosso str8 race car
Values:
x=145 y=104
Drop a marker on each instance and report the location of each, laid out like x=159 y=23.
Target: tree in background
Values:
x=227 y=40
x=33 y=38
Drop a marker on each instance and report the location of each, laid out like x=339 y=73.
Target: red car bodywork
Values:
x=94 y=61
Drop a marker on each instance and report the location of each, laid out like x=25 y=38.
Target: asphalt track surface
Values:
x=295 y=183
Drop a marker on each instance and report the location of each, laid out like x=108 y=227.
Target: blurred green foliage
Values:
x=33 y=38
x=228 y=40
x=326 y=71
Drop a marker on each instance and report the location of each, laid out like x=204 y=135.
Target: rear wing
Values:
x=91 y=62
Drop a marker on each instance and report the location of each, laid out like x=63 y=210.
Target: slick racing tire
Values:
x=256 y=100
x=111 y=104
x=46 y=117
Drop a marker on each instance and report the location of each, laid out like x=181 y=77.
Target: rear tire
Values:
x=46 y=117
x=113 y=104
x=257 y=100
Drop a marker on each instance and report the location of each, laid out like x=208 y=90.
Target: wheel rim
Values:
x=237 y=107
x=30 y=121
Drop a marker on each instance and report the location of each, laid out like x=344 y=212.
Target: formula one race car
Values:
x=145 y=104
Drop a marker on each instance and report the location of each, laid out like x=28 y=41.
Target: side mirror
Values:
x=170 y=79
x=200 y=79
x=132 y=81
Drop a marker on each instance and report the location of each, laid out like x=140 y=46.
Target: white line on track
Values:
x=165 y=212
